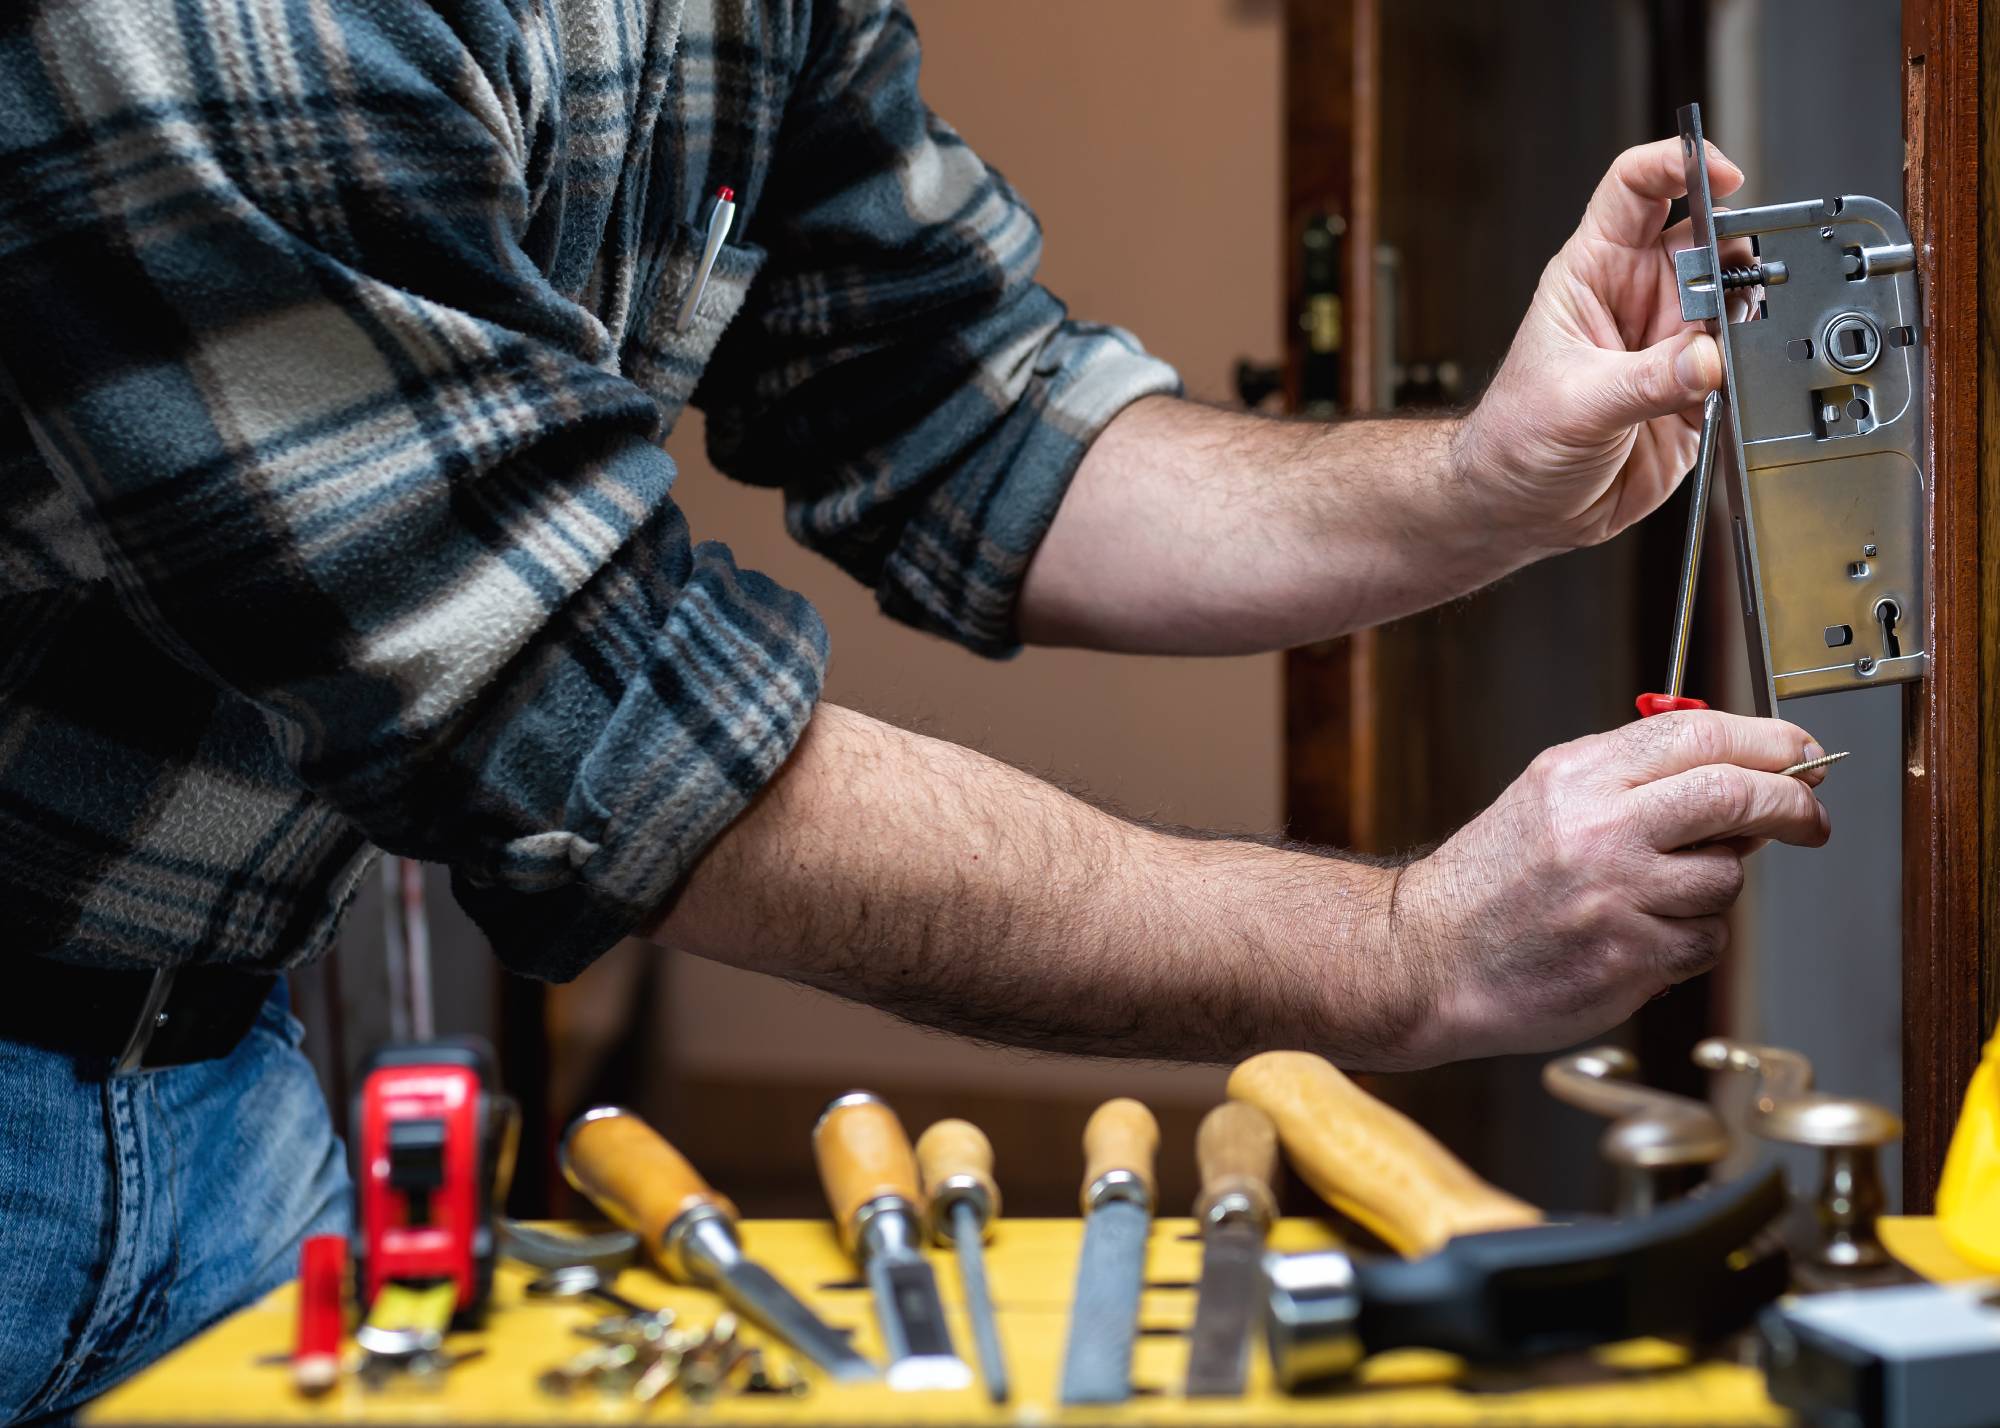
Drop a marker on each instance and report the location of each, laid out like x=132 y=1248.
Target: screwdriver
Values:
x=962 y=1201
x=1704 y=470
x=1702 y=476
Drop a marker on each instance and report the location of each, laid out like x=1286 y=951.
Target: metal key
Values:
x=642 y=1331
x=565 y=1378
x=660 y=1375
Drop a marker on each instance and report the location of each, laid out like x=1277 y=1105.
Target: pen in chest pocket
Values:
x=720 y=218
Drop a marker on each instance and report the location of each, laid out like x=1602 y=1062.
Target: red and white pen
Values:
x=1704 y=469
x=720 y=218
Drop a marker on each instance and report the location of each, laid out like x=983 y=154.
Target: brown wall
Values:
x=1146 y=136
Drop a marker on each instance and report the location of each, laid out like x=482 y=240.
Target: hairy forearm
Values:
x=955 y=891
x=1193 y=530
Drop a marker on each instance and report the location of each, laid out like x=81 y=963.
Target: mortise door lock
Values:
x=1820 y=441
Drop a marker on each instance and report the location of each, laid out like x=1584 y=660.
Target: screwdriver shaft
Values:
x=1702 y=476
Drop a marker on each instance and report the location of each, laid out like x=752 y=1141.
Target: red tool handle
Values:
x=322 y=1283
x=1651 y=704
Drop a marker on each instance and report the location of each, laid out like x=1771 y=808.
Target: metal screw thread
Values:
x=1748 y=277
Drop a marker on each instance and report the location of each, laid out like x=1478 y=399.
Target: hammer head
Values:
x=1310 y=1314
x=1697 y=1269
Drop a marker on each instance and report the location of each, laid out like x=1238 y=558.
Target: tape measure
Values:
x=433 y=1149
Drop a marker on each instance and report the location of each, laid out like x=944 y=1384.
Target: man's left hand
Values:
x=1593 y=418
x=1190 y=530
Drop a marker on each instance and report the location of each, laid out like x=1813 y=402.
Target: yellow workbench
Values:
x=228 y=1375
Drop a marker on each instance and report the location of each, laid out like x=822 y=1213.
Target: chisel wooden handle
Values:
x=628 y=1171
x=956 y=1162
x=1369 y=1161
x=1236 y=1150
x=1119 y=1143
x=863 y=1156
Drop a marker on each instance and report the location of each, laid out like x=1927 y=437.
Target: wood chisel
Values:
x=1119 y=1144
x=1485 y=1278
x=630 y=1173
x=1236 y=1150
x=870 y=1175
x=962 y=1201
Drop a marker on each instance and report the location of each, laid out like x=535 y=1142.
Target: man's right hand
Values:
x=931 y=881
x=1598 y=879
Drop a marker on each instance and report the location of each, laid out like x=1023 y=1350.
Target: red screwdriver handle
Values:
x=1651 y=704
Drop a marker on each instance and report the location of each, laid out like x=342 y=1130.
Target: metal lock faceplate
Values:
x=1822 y=434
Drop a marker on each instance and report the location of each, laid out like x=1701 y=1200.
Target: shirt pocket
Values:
x=666 y=359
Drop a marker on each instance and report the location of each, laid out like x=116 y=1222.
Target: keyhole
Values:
x=1887 y=612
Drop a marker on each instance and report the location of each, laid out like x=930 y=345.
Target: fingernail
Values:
x=1695 y=362
x=1813 y=751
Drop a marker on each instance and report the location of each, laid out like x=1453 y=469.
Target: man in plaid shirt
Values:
x=339 y=338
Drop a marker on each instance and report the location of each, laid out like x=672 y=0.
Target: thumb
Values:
x=1666 y=378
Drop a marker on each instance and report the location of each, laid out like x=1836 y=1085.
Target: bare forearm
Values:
x=958 y=892
x=1193 y=530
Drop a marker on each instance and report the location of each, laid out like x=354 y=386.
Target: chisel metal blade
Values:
x=979 y=1300
x=1227 y=1301
x=1104 y=1316
x=644 y=1184
x=913 y=1326
x=750 y=1290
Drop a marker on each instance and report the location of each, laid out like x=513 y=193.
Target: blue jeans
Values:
x=137 y=1210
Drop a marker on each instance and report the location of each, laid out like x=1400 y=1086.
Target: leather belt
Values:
x=136 y=1020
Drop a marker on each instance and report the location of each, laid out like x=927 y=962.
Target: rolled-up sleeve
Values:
x=920 y=398
x=277 y=321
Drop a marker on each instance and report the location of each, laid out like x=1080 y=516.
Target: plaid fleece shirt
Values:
x=339 y=341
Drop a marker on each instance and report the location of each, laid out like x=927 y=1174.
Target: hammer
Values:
x=1485 y=1275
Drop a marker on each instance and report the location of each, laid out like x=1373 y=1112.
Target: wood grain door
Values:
x=1951 y=817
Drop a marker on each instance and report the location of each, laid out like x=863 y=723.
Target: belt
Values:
x=136 y=1020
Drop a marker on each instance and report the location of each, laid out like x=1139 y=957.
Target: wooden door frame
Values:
x=1951 y=748
x=1332 y=113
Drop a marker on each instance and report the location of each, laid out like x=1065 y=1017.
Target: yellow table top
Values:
x=226 y=1377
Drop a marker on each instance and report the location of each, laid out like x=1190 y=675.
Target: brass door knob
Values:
x=1781 y=1072
x=1660 y=1143
x=1850 y=1132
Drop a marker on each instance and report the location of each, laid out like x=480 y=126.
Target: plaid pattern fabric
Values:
x=338 y=341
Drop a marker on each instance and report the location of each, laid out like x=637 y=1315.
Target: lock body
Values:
x=1822 y=451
